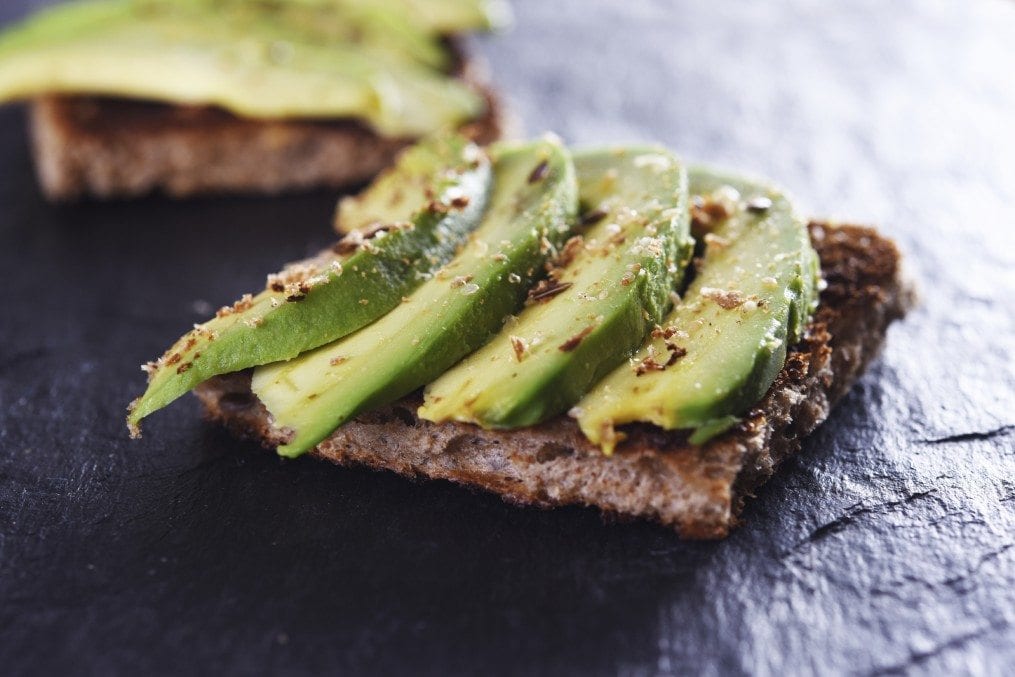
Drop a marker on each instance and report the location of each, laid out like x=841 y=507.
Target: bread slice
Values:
x=109 y=147
x=655 y=474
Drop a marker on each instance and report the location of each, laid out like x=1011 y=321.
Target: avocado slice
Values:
x=446 y=16
x=595 y=311
x=721 y=348
x=342 y=290
x=381 y=32
x=530 y=215
x=256 y=59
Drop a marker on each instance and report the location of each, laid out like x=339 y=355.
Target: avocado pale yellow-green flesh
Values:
x=444 y=16
x=749 y=301
x=530 y=213
x=616 y=285
x=377 y=30
x=340 y=292
x=409 y=182
x=255 y=67
x=371 y=30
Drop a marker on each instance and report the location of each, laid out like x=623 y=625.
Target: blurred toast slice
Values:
x=112 y=147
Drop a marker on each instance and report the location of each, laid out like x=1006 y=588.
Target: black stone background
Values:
x=887 y=546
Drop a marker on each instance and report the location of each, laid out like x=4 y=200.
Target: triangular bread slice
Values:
x=698 y=490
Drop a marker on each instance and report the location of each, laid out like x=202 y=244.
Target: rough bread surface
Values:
x=108 y=147
x=655 y=474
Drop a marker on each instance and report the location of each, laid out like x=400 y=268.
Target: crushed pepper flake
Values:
x=519 y=346
x=540 y=172
x=727 y=299
x=547 y=289
x=573 y=342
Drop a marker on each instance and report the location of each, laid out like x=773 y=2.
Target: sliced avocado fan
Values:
x=531 y=212
x=720 y=349
x=434 y=196
x=613 y=284
x=257 y=59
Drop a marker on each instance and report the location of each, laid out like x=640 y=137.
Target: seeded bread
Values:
x=109 y=147
x=654 y=474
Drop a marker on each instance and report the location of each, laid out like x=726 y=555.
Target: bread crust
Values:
x=111 y=147
x=654 y=474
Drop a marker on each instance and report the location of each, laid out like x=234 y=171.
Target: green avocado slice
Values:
x=721 y=348
x=382 y=32
x=438 y=17
x=614 y=286
x=531 y=211
x=256 y=59
x=445 y=16
x=373 y=28
x=343 y=289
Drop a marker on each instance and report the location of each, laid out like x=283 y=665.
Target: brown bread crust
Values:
x=109 y=147
x=655 y=474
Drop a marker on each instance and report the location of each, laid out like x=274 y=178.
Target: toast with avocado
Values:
x=613 y=329
x=196 y=96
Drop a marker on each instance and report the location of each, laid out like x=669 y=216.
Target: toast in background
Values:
x=199 y=96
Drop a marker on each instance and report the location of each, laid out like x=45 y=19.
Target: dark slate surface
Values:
x=886 y=547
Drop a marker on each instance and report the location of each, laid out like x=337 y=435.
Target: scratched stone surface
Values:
x=887 y=546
